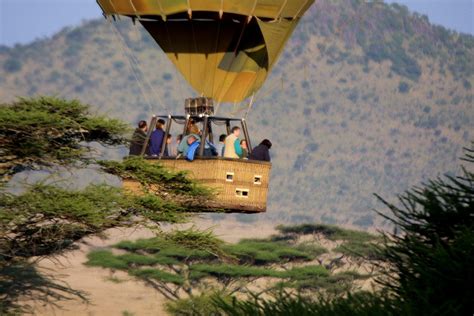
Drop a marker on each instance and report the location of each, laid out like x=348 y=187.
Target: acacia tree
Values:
x=185 y=266
x=42 y=131
x=45 y=219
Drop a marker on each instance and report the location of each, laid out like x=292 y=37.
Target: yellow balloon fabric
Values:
x=225 y=49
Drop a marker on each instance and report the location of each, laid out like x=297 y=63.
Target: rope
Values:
x=180 y=87
x=217 y=108
x=154 y=91
x=140 y=85
x=196 y=51
x=281 y=10
x=250 y=105
x=136 y=69
x=234 y=55
x=216 y=57
x=299 y=11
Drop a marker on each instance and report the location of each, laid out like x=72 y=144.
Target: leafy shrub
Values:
x=364 y=221
x=118 y=65
x=282 y=304
x=353 y=95
x=202 y=304
x=467 y=85
x=403 y=87
x=433 y=251
x=335 y=284
x=167 y=76
x=311 y=147
x=12 y=65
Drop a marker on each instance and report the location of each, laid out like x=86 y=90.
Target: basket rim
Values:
x=248 y=161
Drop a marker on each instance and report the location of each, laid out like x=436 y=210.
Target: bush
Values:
x=282 y=304
x=403 y=87
x=202 y=304
x=118 y=65
x=167 y=76
x=466 y=84
x=12 y=65
x=433 y=251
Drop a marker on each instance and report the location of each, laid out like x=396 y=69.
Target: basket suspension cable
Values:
x=140 y=84
x=234 y=57
x=261 y=94
x=196 y=51
x=137 y=62
x=276 y=84
x=177 y=76
x=134 y=66
x=217 y=107
x=221 y=15
x=279 y=83
x=216 y=56
x=300 y=9
x=278 y=15
x=111 y=4
x=250 y=105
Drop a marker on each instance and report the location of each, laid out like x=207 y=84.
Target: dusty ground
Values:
x=116 y=298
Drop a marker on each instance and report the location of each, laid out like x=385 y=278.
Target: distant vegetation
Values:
x=305 y=268
x=367 y=97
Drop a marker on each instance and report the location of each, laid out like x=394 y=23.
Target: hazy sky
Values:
x=22 y=21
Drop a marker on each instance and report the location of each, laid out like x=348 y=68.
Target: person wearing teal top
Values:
x=238 y=148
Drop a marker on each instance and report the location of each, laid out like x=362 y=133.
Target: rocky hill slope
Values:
x=367 y=97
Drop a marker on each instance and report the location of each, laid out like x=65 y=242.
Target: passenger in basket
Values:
x=138 y=139
x=232 y=147
x=184 y=146
x=179 y=138
x=262 y=151
x=220 y=146
x=192 y=127
x=170 y=149
x=245 y=149
x=157 y=138
x=193 y=146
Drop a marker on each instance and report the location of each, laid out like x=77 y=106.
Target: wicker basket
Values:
x=241 y=185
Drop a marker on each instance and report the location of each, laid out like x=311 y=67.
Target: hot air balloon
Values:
x=225 y=50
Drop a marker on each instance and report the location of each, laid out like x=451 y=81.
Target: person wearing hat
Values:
x=157 y=137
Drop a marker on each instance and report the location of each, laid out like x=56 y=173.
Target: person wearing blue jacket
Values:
x=157 y=138
x=194 y=145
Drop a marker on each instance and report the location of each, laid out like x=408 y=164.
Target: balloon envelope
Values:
x=225 y=49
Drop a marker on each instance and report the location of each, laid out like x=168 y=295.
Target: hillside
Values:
x=367 y=98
